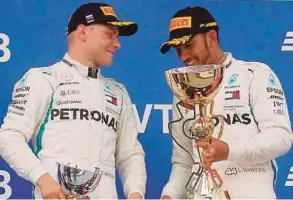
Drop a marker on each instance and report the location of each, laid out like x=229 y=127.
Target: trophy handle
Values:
x=98 y=172
x=216 y=178
x=190 y=185
x=173 y=137
x=61 y=178
x=220 y=117
x=218 y=182
x=95 y=180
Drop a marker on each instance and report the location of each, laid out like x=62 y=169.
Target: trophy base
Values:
x=192 y=195
x=216 y=195
x=76 y=197
x=72 y=197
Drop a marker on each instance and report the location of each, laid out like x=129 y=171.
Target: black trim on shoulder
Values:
x=250 y=70
x=48 y=73
x=229 y=64
x=67 y=62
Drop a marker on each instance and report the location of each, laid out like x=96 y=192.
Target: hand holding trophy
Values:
x=196 y=87
x=77 y=183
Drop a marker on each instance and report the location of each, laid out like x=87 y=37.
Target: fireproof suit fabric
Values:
x=75 y=119
x=257 y=130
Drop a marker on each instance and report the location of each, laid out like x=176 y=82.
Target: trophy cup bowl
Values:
x=77 y=183
x=196 y=86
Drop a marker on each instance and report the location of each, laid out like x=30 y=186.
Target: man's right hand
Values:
x=50 y=189
x=166 y=197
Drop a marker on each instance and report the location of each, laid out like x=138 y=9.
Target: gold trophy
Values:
x=196 y=86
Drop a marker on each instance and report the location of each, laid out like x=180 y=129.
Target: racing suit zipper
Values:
x=90 y=121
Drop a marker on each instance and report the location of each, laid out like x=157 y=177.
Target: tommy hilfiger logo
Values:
x=111 y=99
x=230 y=95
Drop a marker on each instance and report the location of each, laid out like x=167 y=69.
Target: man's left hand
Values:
x=213 y=151
x=135 y=195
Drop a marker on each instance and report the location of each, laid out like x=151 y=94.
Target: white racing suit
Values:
x=257 y=130
x=74 y=116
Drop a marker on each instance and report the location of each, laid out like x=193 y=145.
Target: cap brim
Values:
x=175 y=42
x=165 y=47
x=126 y=28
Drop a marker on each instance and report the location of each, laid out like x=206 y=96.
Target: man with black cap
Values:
x=74 y=115
x=257 y=127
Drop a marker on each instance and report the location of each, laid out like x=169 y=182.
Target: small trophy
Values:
x=196 y=86
x=77 y=183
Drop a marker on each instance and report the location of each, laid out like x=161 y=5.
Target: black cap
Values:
x=186 y=23
x=99 y=13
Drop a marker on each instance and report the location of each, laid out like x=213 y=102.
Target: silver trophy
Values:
x=77 y=183
x=196 y=87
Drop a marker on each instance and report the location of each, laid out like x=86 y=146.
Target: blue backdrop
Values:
x=32 y=33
